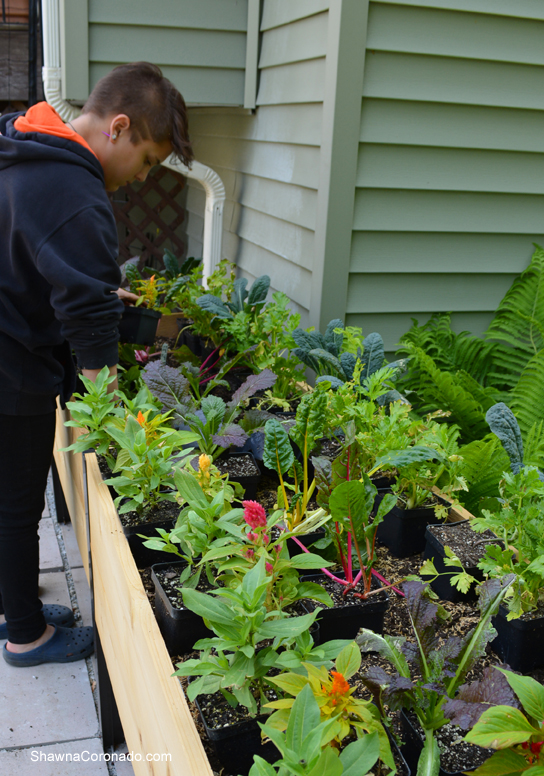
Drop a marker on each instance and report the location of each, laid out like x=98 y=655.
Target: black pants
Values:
x=26 y=449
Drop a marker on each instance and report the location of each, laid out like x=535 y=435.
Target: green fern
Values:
x=534 y=446
x=484 y=462
x=527 y=398
x=518 y=324
x=438 y=389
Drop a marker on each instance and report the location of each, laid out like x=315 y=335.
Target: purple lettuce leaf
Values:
x=254 y=383
x=232 y=434
x=423 y=614
x=474 y=698
x=167 y=384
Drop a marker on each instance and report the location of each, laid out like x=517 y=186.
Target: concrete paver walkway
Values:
x=48 y=715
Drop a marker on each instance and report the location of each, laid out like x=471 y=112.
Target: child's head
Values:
x=154 y=106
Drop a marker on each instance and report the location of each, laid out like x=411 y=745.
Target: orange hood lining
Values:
x=44 y=119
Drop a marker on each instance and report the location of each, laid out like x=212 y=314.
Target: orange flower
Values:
x=339 y=685
x=141 y=419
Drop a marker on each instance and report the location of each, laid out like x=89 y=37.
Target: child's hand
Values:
x=127 y=297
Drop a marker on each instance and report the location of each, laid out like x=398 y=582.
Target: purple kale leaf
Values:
x=167 y=384
x=232 y=434
x=254 y=383
x=474 y=698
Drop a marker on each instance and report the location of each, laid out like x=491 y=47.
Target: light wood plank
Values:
x=295 y=124
x=167 y=46
x=449 y=169
x=275 y=14
x=458 y=126
x=440 y=252
x=204 y=14
x=154 y=711
x=445 y=79
x=404 y=292
x=204 y=85
x=411 y=29
x=429 y=211
x=304 y=39
x=301 y=82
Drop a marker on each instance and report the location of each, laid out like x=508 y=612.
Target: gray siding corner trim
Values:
x=345 y=63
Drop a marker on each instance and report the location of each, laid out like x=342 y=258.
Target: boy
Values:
x=59 y=290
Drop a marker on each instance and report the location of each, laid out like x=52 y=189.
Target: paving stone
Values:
x=34 y=762
x=50 y=557
x=72 y=548
x=49 y=702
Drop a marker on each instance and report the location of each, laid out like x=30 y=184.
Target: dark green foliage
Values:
x=502 y=422
x=240 y=300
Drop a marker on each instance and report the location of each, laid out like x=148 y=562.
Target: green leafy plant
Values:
x=429 y=671
x=335 y=700
x=144 y=464
x=231 y=662
x=518 y=736
x=519 y=522
x=279 y=456
x=304 y=745
x=93 y=411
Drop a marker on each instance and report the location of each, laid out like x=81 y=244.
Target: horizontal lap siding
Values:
x=199 y=46
x=269 y=160
x=450 y=175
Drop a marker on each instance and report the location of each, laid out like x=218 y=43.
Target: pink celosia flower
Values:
x=249 y=553
x=252 y=536
x=266 y=539
x=278 y=548
x=269 y=567
x=254 y=514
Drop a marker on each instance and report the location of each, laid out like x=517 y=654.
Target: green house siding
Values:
x=201 y=46
x=269 y=160
x=450 y=183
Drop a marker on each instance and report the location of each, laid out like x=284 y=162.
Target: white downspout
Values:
x=208 y=178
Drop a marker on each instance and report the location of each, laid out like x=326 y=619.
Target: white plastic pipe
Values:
x=208 y=178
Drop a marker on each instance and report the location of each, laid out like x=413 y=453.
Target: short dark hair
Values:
x=154 y=106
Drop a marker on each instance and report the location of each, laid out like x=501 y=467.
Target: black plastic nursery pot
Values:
x=235 y=745
x=138 y=325
x=434 y=550
x=403 y=530
x=143 y=556
x=519 y=642
x=345 y=622
x=180 y=628
x=412 y=744
x=305 y=539
x=250 y=483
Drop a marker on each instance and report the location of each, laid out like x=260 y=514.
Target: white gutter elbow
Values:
x=213 y=214
x=52 y=70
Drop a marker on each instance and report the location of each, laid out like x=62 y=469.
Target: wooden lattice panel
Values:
x=144 y=216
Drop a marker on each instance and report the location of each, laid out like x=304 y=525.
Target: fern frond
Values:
x=441 y=391
x=484 y=462
x=518 y=324
x=527 y=398
x=534 y=446
x=486 y=397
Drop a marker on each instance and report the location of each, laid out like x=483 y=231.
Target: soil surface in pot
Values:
x=330 y=448
x=267 y=492
x=105 y=470
x=237 y=466
x=336 y=592
x=455 y=753
x=165 y=510
x=218 y=713
x=468 y=545
x=169 y=579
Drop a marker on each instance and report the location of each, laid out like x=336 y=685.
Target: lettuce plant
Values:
x=518 y=737
x=429 y=671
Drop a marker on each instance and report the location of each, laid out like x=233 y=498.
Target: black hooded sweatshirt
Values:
x=58 y=268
